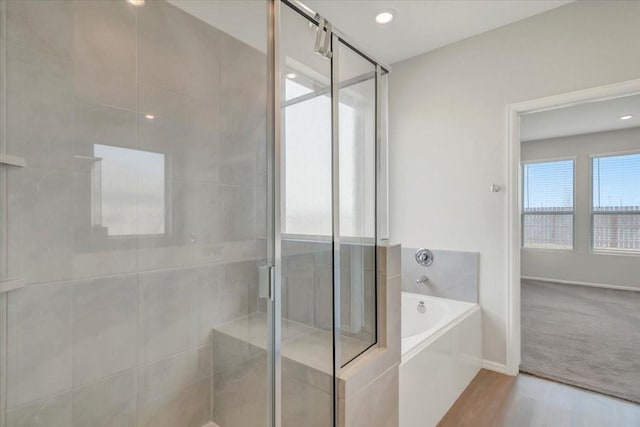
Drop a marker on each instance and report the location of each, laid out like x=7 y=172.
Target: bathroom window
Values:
x=128 y=189
x=548 y=204
x=308 y=159
x=615 y=210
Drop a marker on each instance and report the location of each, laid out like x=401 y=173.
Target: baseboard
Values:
x=494 y=366
x=591 y=285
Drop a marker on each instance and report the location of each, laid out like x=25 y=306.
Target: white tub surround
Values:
x=441 y=353
x=421 y=329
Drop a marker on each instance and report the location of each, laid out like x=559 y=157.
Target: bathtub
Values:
x=441 y=353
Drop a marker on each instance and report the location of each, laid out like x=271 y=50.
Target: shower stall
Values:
x=192 y=196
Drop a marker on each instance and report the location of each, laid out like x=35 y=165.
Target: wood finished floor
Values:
x=496 y=400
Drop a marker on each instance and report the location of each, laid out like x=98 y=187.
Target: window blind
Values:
x=547 y=211
x=616 y=203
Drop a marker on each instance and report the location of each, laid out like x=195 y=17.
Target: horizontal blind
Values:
x=548 y=186
x=616 y=202
x=548 y=204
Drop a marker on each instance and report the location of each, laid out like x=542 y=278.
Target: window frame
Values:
x=574 y=161
x=592 y=249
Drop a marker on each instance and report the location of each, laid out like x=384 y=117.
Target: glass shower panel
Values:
x=135 y=231
x=357 y=182
x=306 y=223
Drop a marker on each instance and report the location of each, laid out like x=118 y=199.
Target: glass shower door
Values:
x=327 y=169
x=163 y=260
x=133 y=217
x=306 y=244
x=357 y=205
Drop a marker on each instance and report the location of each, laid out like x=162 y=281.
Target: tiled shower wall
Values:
x=307 y=289
x=114 y=330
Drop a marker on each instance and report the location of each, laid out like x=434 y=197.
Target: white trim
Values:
x=614 y=153
x=514 y=111
x=552 y=250
x=495 y=366
x=613 y=252
x=577 y=283
x=549 y=160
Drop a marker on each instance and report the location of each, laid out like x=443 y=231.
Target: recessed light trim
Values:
x=136 y=2
x=627 y=117
x=291 y=75
x=385 y=16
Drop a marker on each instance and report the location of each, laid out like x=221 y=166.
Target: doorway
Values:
x=574 y=236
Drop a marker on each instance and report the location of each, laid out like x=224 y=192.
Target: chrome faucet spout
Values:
x=422 y=280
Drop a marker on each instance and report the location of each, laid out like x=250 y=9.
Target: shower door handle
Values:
x=266 y=281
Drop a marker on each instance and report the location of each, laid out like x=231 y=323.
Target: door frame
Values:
x=514 y=184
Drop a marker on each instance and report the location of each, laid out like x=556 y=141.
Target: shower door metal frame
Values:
x=274 y=223
x=335 y=217
x=275 y=194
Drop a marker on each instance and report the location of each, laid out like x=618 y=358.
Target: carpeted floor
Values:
x=587 y=337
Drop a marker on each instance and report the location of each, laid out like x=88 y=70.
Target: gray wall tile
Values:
x=110 y=402
x=43 y=26
x=377 y=404
x=190 y=407
x=174 y=374
x=178 y=52
x=304 y=405
x=104 y=327
x=90 y=71
x=239 y=213
x=453 y=274
x=300 y=295
x=210 y=312
x=104 y=53
x=242 y=77
x=194 y=215
x=178 y=117
x=168 y=321
x=39 y=342
x=3 y=345
x=239 y=393
x=236 y=298
x=39 y=85
x=46 y=241
x=52 y=411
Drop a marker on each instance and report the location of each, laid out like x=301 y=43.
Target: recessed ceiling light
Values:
x=385 y=16
x=149 y=116
x=626 y=117
x=291 y=76
x=136 y=2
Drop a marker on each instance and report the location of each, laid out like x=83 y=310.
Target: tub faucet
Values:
x=422 y=280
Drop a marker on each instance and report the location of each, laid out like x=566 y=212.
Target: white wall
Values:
x=581 y=265
x=447 y=113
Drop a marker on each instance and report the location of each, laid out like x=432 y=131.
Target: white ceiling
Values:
x=581 y=119
x=419 y=25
